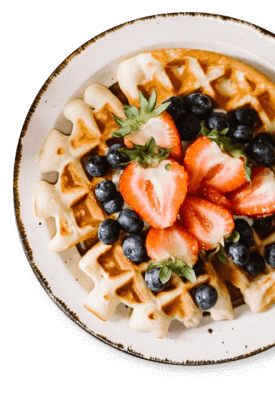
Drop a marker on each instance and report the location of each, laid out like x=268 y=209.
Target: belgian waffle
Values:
x=77 y=213
x=117 y=280
x=71 y=200
x=258 y=291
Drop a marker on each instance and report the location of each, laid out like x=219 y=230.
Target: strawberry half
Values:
x=153 y=185
x=206 y=163
x=146 y=122
x=174 y=241
x=258 y=198
x=208 y=222
x=212 y=194
x=163 y=130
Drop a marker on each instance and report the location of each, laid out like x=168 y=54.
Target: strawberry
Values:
x=208 y=222
x=153 y=185
x=206 y=162
x=174 y=241
x=212 y=194
x=258 y=198
x=146 y=122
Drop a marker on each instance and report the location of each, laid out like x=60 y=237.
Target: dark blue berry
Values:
x=199 y=104
x=239 y=253
x=218 y=120
x=130 y=221
x=152 y=280
x=189 y=127
x=244 y=116
x=262 y=225
x=105 y=190
x=245 y=231
x=266 y=137
x=261 y=152
x=242 y=134
x=114 y=205
x=176 y=108
x=108 y=231
x=198 y=267
x=206 y=296
x=270 y=255
x=114 y=157
x=134 y=248
x=96 y=165
x=255 y=264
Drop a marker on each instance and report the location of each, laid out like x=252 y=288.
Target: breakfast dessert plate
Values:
x=153 y=188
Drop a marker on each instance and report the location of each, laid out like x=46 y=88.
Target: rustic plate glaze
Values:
x=95 y=61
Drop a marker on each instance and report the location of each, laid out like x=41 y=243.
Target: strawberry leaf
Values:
x=172 y=265
x=136 y=117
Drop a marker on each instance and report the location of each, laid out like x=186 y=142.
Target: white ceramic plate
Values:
x=95 y=61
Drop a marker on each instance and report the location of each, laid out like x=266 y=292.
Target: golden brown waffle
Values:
x=77 y=214
x=172 y=72
x=117 y=280
x=258 y=291
x=71 y=200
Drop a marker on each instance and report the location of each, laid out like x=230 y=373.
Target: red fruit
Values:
x=163 y=129
x=155 y=193
x=174 y=241
x=206 y=163
x=257 y=198
x=213 y=195
x=209 y=223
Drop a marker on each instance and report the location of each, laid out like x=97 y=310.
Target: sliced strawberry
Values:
x=163 y=129
x=205 y=163
x=212 y=194
x=257 y=198
x=209 y=223
x=174 y=241
x=155 y=193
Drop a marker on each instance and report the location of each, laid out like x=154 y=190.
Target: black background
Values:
x=43 y=342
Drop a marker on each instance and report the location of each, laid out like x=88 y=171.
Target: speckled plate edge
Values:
x=21 y=229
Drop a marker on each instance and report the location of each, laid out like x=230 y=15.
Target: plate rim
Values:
x=16 y=199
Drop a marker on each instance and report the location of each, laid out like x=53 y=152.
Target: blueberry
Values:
x=130 y=221
x=108 y=231
x=114 y=205
x=270 y=254
x=266 y=137
x=134 y=248
x=261 y=152
x=255 y=264
x=206 y=296
x=245 y=231
x=239 y=253
x=262 y=224
x=114 y=157
x=218 y=120
x=96 y=165
x=176 y=108
x=105 y=190
x=244 y=116
x=198 y=266
x=199 y=104
x=152 y=280
x=242 y=134
x=189 y=127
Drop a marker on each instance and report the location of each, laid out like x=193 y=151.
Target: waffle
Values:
x=172 y=72
x=259 y=291
x=71 y=202
x=117 y=280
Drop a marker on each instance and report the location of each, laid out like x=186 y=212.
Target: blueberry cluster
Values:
x=130 y=222
x=239 y=252
x=191 y=111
